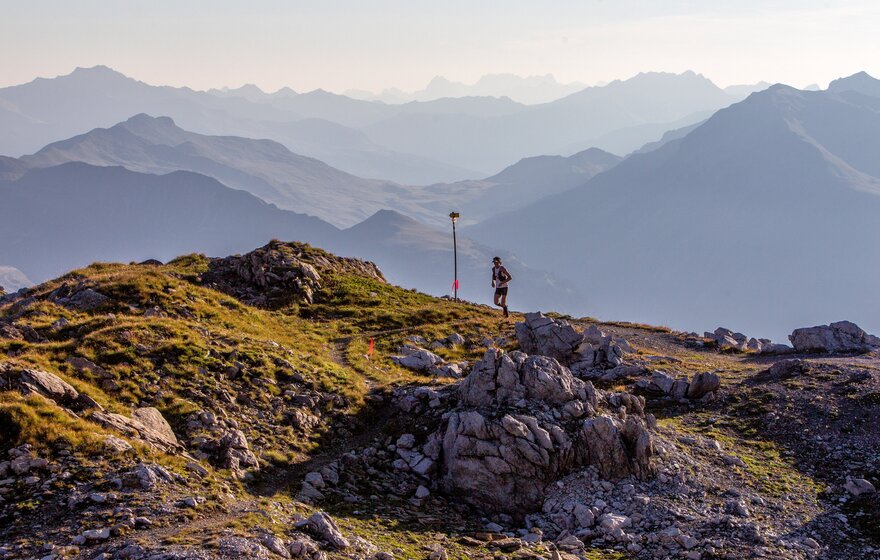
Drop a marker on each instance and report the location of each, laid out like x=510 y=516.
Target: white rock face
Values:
x=583 y=352
x=528 y=421
x=842 y=336
x=415 y=358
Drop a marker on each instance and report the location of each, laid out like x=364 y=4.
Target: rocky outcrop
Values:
x=839 y=337
x=146 y=424
x=526 y=421
x=235 y=454
x=426 y=362
x=280 y=273
x=34 y=381
x=415 y=358
x=11 y=331
x=79 y=297
x=661 y=384
x=582 y=352
x=726 y=339
x=542 y=335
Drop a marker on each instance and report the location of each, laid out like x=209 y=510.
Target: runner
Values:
x=500 y=278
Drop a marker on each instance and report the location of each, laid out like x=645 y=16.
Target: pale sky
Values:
x=363 y=44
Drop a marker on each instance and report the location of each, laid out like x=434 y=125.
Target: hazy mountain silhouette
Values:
x=273 y=173
x=494 y=142
x=262 y=167
x=763 y=218
x=47 y=110
x=417 y=255
x=531 y=179
x=744 y=90
x=58 y=218
x=442 y=140
x=252 y=92
x=861 y=82
x=529 y=90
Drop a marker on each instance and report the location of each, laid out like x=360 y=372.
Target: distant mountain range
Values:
x=262 y=167
x=764 y=217
x=271 y=172
x=530 y=90
x=58 y=218
x=47 y=110
x=421 y=142
x=564 y=126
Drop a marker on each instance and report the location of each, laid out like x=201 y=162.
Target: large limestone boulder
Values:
x=547 y=337
x=415 y=358
x=584 y=352
x=843 y=336
x=49 y=385
x=146 y=424
x=506 y=379
x=525 y=422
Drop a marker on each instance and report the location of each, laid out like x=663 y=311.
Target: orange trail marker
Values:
x=372 y=348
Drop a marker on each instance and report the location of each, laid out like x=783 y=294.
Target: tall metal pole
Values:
x=454 y=216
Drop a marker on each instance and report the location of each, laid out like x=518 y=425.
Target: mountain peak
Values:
x=143 y=118
x=387 y=218
x=861 y=82
x=99 y=72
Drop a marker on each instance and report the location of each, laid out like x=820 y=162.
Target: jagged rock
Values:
x=275 y=545
x=155 y=423
x=702 y=384
x=582 y=352
x=279 y=273
x=726 y=339
x=454 y=371
x=79 y=297
x=505 y=379
x=156 y=432
x=49 y=385
x=235 y=454
x=547 y=337
x=323 y=527
x=842 y=336
x=12 y=331
x=415 y=358
x=660 y=384
x=147 y=476
x=117 y=445
x=455 y=339
x=305 y=547
x=496 y=455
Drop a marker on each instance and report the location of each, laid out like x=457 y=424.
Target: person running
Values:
x=500 y=278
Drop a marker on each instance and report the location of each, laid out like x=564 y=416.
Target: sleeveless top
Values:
x=496 y=276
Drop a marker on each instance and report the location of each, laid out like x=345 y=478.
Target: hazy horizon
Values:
x=348 y=46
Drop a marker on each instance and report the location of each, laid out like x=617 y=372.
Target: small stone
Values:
x=406 y=441
x=859 y=486
x=96 y=534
